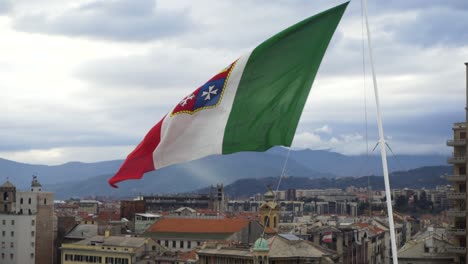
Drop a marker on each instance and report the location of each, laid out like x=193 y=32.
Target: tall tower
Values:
x=217 y=198
x=459 y=198
x=269 y=211
x=44 y=224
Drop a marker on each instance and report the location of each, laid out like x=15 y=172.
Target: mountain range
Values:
x=424 y=177
x=82 y=179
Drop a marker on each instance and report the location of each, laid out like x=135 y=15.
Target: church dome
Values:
x=261 y=245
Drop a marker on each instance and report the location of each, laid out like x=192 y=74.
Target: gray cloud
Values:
x=118 y=99
x=119 y=20
x=436 y=26
x=5 y=6
x=424 y=133
x=160 y=68
x=416 y=4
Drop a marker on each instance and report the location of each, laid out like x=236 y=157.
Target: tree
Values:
x=401 y=203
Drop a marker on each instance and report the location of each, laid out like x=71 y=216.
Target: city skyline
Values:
x=85 y=82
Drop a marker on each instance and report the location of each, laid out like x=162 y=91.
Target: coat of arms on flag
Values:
x=206 y=96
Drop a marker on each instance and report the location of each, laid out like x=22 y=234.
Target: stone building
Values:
x=111 y=249
x=26 y=224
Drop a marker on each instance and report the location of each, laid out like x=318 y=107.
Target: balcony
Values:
x=456 y=178
x=456 y=231
x=456 y=196
x=456 y=250
x=456 y=142
x=460 y=125
x=456 y=160
x=454 y=213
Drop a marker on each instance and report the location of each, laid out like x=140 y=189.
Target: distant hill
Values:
x=425 y=177
x=20 y=173
x=190 y=176
x=358 y=165
x=77 y=178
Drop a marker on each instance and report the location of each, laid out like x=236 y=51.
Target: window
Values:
x=11 y=256
x=33 y=222
x=32 y=244
x=4 y=222
x=153 y=248
x=29 y=200
x=32 y=255
x=12 y=222
x=174 y=244
x=189 y=244
x=45 y=201
x=3 y=244
x=21 y=200
x=166 y=243
x=3 y=255
x=181 y=244
x=3 y=233
x=32 y=233
x=12 y=233
x=12 y=245
x=462 y=170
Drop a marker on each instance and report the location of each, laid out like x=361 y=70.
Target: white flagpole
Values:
x=383 y=152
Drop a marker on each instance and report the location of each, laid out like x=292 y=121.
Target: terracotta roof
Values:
x=108 y=216
x=194 y=225
x=189 y=255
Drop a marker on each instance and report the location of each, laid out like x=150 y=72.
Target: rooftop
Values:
x=114 y=241
x=82 y=231
x=198 y=225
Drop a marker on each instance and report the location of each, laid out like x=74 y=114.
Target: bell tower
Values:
x=35 y=185
x=7 y=198
x=269 y=211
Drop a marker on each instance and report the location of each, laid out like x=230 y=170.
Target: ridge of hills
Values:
x=84 y=179
x=424 y=177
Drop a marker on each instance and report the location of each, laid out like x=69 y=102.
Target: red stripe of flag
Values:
x=141 y=159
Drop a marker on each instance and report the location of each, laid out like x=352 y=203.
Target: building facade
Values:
x=26 y=224
x=459 y=208
x=111 y=249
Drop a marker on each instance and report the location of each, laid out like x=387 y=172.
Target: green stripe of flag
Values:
x=276 y=82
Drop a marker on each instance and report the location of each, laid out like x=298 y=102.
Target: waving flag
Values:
x=251 y=105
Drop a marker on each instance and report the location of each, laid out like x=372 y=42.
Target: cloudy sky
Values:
x=85 y=80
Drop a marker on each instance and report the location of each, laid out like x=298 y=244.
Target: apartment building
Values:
x=458 y=210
